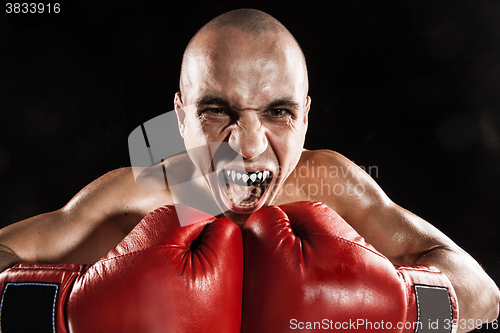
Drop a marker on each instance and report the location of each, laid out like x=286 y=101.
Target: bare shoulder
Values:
x=342 y=184
x=330 y=160
x=119 y=193
x=325 y=157
x=127 y=194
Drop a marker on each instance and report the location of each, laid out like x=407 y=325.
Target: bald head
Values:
x=242 y=32
x=251 y=21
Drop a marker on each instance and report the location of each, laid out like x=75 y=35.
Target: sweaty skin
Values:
x=249 y=90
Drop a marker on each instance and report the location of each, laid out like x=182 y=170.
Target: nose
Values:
x=249 y=135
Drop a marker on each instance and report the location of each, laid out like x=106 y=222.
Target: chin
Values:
x=239 y=219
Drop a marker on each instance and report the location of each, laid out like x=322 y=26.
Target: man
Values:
x=244 y=83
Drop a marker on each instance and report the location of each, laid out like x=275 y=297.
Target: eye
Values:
x=214 y=111
x=217 y=111
x=278 y=112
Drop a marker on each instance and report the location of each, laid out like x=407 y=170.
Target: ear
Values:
x=181 y=115
x=307 y=106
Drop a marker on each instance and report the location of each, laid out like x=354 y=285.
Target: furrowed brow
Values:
x=212 y=100
x=215 y=100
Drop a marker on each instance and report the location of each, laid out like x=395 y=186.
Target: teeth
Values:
x=249 y=189
x=247 y=178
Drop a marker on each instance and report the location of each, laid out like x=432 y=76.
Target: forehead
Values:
x=244 y=67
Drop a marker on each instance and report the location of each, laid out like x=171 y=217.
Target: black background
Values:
x=409 y=87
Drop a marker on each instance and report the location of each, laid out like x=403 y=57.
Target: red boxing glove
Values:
x=306 y=268
x=161 y=278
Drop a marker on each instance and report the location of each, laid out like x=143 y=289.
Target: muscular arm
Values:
x=84 y=230
x=407 y=239
x=418 y=242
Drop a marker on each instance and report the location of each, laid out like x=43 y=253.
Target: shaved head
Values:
x=219 y=32
x=251 y=21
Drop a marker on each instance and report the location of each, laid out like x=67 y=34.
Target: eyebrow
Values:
x=208 y=100
x=287 y=102
x=214 y=100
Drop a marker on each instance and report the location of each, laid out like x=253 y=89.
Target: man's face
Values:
x=249 y=93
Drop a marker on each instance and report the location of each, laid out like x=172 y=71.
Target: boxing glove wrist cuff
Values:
x=34 y=296
x=431 y=300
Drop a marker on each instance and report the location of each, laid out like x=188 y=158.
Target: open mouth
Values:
x=245 y=189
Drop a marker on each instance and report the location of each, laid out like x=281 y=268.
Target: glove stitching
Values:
x=418 y=304
x=418 y=268
x=48 y=268
x=54 y=302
